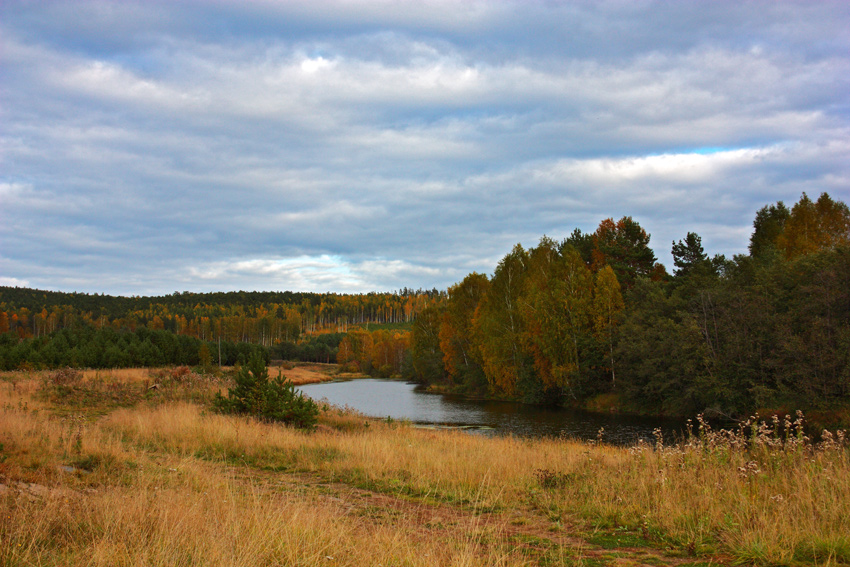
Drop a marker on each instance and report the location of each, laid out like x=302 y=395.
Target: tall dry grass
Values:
x=206 y=518
x=764 y=494
x=119 y=491
x=759 y=497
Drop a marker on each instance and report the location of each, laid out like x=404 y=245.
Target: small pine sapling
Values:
x=273 y=400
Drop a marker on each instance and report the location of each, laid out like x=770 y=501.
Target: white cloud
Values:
x=372 y=145
x=313 y=273
x=681 y=168
x=312 y=66
x=10 y=191
x=13 y=282
x=338 y=212
x=395 y=269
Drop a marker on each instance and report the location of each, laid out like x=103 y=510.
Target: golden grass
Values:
x=312 y=373
x=171 y=483
x=206 y=518
x=299 y=373
x=118 y=374
x=82 y=493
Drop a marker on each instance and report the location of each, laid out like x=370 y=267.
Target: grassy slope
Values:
x=100 y=470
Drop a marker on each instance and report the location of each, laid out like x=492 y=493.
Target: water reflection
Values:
x=400 y=400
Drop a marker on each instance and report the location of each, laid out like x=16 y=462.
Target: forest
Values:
x=47 y=329
x=592 y=321
x=264 y=318
x=595 y=321
x=91 y=347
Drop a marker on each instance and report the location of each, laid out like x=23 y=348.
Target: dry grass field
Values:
x=105 y=469
x=298 y=373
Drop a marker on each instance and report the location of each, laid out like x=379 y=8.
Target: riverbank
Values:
x=299 y=373
x=100 y=472
x=302 y=373
x=836 y=417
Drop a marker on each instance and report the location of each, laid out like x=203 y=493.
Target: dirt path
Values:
x=527 y=531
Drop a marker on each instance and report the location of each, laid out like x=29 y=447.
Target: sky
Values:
x=351 y=146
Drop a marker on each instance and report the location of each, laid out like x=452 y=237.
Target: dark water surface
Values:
x=402 y=401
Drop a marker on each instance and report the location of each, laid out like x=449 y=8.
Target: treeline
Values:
x=313 y=348
x=90 y=347
x=594 y=317
x=382 y=352
x=377 y=352
x=264 y=318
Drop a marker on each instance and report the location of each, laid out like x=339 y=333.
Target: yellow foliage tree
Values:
x=498 y=326
x=460 y=357
x=556 y=310
x=608 y=306
x=814 y=226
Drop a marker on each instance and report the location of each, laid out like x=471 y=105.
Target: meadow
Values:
x=132 y=468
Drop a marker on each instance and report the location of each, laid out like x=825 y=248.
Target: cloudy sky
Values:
x=154 y=146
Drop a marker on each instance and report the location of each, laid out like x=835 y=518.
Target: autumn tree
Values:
x=813 y=226
x=355 y=351
x=556 y=308
x=400 y=348
x=156 y=323
x=388 y=350
x=425 y=361
x=498 y=324
x=460 y=355
x=608 y=307
x=624 y=246
x=345 y=356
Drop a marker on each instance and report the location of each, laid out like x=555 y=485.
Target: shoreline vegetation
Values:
x=594 y=321
x=100 y=468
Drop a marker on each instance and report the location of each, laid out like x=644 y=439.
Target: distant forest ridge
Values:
x=47 y=329
x=241 y=316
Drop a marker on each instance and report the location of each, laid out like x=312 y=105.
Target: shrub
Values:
x=65 y=377
x=266 y=399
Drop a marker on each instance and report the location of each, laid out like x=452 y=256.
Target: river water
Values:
x=404 y=401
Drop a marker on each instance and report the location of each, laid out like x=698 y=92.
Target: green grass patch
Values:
x=307 y=454
x=620 y=537
x=836 y=550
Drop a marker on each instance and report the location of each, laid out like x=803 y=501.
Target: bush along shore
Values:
x=110 y=470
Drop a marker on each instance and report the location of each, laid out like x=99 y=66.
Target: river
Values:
x=404 y=401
